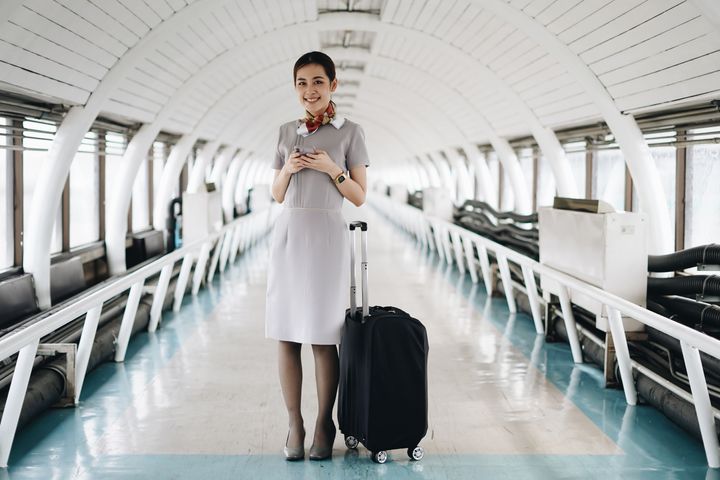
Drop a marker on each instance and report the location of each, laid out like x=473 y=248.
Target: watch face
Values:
x=341 y=179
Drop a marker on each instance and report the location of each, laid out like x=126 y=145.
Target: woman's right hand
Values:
x=294 y=163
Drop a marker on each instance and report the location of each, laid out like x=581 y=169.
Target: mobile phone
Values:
x=303 y=149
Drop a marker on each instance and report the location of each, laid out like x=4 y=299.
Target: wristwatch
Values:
x=340 y=178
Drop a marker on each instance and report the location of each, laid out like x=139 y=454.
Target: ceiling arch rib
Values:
x=626 y=131
x=262 y=116
x=545 y=137
x=505 y=153
x=270 y=115
x=36 y=254
x=410 y=70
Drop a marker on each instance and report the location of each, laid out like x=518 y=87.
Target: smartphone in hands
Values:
x=303 y=150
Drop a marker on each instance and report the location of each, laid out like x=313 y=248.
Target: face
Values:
x=313 y=88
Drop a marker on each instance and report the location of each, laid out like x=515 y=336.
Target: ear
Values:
x=333 y=84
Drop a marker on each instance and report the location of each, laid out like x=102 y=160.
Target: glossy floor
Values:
x=200 y=397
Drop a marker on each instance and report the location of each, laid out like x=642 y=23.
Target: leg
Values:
x=326 y=377
x=290 y=369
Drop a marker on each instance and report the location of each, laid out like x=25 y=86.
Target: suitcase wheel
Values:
x=351 y=442
x=379 y=457
x=416 y=453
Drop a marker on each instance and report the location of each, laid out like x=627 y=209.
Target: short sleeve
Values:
x=357 y=151
x=279 y=160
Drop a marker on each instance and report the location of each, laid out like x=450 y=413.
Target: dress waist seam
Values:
x=314 y=209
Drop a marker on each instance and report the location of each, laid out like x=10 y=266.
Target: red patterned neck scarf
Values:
x=313 y=122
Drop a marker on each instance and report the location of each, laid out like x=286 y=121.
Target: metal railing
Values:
x=235 y=237
x=457 y=244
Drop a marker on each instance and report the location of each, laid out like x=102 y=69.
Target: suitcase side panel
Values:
x=398 y=383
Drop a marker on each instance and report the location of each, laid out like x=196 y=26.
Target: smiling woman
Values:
x=308 y=271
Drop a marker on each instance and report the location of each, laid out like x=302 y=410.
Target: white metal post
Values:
x=159 y=297
x=533 y=297
x=225 y=251
x=445 y=235
x=200 y=267
x=15 y=399
x=87 y=338
x=457 y=246
x=623 y=355
x=439 y=246
x=507 y=282
x=214 y=260
x=485 y=267
x=235 y=243
x=470 y=256
x=182 y=281
x=569 y=319
x=701 y=398
x=128 y=320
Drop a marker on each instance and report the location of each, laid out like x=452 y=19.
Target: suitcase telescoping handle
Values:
x=363 y=265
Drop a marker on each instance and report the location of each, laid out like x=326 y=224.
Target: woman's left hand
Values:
x=320 y=161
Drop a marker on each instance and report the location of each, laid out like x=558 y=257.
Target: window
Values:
x=114 y=150
x=525 y=157
x=85 y=193
x=494 y=167
x=6 y=198
x=546 y=184
x=575 y=154
x=665 y=159
x=609 y=178
x=702 y=196
x=37 y=138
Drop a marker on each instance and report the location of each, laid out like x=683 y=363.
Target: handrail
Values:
x=447 y=237
x=233 y=237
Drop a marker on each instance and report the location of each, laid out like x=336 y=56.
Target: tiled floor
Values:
x=200 y=397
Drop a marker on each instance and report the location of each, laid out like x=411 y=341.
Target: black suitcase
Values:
x=383 y=373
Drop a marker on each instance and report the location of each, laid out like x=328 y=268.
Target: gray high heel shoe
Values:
x=293 y=453
x=325 y=452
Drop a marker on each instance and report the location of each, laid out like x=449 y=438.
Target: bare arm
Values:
x=353 y=188
x=280 y=185
x=282 y=177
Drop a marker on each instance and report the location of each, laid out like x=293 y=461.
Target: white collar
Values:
x=336 y=122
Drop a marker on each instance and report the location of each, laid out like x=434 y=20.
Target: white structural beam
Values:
x=465 y=183
x=443 y=168
x=546 y=138
x=228 y=186
x=488 y=193
x=204 y=159
x=67 y=139
x=217 y=176
x=511 y=166
x=629 y=138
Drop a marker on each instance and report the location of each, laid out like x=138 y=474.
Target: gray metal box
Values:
x=608 y=250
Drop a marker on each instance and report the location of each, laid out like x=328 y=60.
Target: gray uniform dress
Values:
x=309 y=265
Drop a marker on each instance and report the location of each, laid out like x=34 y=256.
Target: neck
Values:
x=319 y=110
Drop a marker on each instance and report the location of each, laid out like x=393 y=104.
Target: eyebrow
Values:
x=316 y=76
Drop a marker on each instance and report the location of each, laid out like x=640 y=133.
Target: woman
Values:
x=308 y=273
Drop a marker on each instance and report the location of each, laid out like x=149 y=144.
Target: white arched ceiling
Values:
x=128 y=59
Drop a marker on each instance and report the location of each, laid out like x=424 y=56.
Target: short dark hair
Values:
x=318 y=58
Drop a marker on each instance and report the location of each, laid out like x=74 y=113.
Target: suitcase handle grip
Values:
x=363 y=267
x=358 y=224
